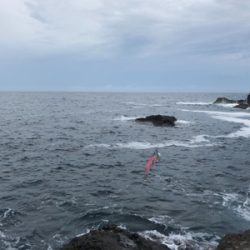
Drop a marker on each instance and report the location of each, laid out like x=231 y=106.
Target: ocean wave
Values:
x=183 y=122
x=143 y=104
x=226 y=105
x=194 y=103
x=125 y=118
x=195 y=142
x=238 y=204
x=235 y=117
x=189 y=240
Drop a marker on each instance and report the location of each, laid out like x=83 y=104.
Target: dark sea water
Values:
x=71 y=162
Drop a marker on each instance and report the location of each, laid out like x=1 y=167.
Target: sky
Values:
x=125 y=45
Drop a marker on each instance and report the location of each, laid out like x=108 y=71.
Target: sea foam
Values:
x=235 y=117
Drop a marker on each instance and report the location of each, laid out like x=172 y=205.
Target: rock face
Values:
x=158 y=120
x=112 y=238
x=235 y=241
x=243 y=104
x=224 y=100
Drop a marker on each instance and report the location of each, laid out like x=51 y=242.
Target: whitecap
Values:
x=236 y=203
x=125 y=118
x=194 y=103
x=226 y=105
x=195 y=142
x=183 y=122
x=184 y=240
x=235 y=117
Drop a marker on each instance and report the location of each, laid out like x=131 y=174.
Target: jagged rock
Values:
x=224 y=100
x=159 y=120
x=112 y=238
x=235 y=241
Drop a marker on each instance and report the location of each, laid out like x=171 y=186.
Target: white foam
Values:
x=144 y=104
x=190 y=240
x=183 y=122
x=227 y=105
x=125 y=118
x=235 y=202
x=7 y=212
x=194 y=103
x=162 y=220
x=195 y=142
x=235 y=117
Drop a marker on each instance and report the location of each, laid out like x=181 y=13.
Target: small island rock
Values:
x=158 y=120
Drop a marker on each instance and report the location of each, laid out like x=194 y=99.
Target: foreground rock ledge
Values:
x=158 y=120
x=235 y=241
x=112 y=238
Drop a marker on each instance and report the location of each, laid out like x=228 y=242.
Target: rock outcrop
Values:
x=158 y=120
x=224 y=100
x=235 y=241
x=111 y=237
x=243 y=104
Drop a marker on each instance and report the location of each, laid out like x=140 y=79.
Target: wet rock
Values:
x=248 y=99
x=111 y=237
x=242 y=106
x=224 y=100
x=158 y=120
x=235 y=241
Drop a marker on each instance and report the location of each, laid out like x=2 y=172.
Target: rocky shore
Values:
x=243 y=104
x=111 y=237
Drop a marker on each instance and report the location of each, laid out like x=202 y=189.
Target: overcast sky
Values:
x=125 y=45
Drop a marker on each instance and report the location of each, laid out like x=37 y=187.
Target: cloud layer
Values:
x=136 y=27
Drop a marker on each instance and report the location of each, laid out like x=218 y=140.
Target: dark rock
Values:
x=248 y=99
x=235 y=241
x=159 y=120
x=242 y=106
x=112 y=238
x=224 y=100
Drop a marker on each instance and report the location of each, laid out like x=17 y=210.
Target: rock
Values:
x=111 y=237
x=248 y=99
x=242 y=106
x=159 y=120
x=235 y=241
x=224 y=100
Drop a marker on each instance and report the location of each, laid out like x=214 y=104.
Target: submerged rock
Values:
x=235 y=241
x=112 y=238
x=158 y=120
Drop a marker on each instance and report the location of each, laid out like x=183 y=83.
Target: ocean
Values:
x=72 y=162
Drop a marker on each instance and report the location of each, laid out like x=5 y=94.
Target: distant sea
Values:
x=72 y=162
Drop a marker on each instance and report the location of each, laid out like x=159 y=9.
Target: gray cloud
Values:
x=101 y=28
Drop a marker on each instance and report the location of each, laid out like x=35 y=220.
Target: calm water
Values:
x=71 y=162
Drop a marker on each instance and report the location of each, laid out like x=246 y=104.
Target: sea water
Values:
x=72 y=162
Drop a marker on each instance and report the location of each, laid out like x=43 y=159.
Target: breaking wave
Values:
x=125 y=118
x=194 y=103
x=235 y=117
x=238 y=204
x=195 y=142
x=183 y=240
